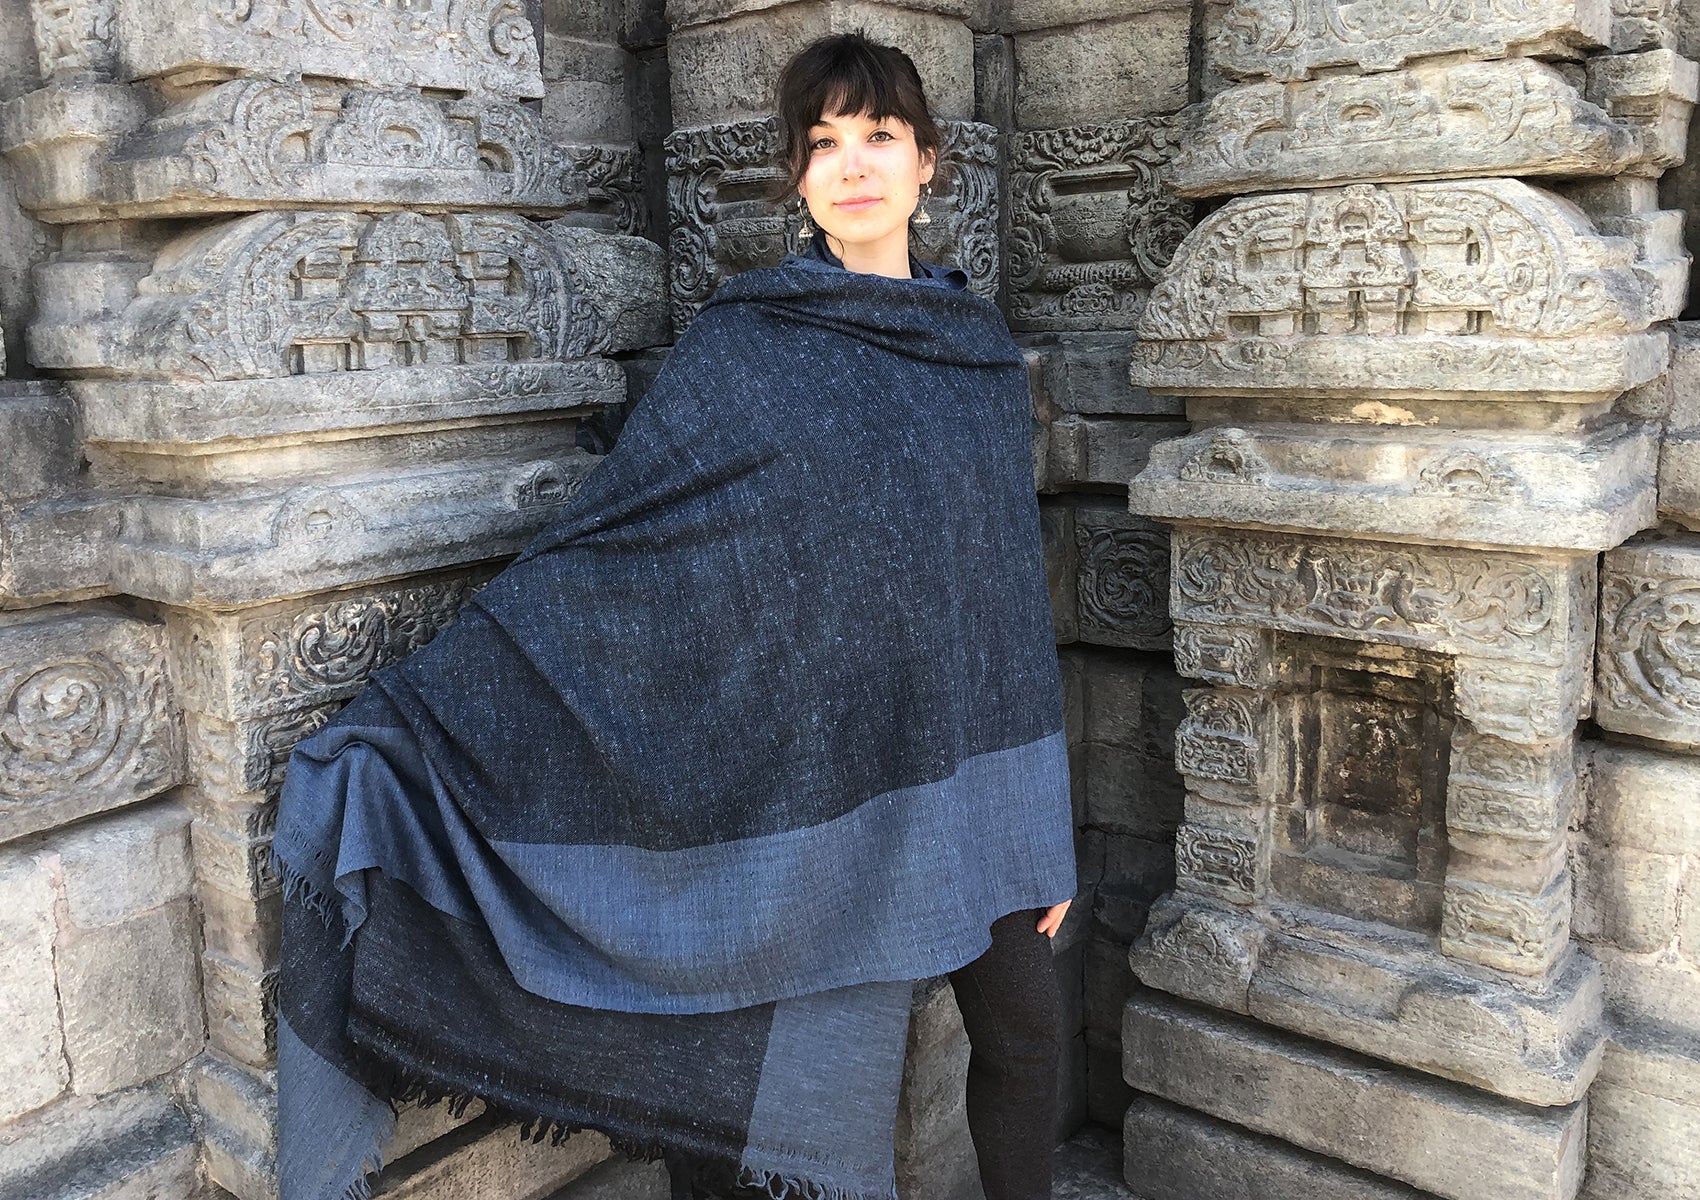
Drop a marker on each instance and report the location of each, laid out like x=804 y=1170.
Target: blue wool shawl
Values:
x=656 y=837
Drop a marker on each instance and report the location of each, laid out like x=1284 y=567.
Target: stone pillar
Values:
x=1402 y=343
x=331 y=302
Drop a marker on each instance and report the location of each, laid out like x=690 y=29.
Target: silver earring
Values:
x=922 y=216
x=805 y=231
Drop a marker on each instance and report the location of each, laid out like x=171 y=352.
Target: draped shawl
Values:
x=655 y=838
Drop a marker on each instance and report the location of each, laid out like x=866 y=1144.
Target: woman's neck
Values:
x=889 y=256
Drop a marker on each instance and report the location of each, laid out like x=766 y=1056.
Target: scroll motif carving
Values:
x=1092 y=225
x=1649 y=647
x=1218 y=739
x=1469 y=476
x=1520 y=703
x=1286 y=39
x=278 y=294
x=612 y=175
x=1219 y=655
x=1519 y=792
x=1122 y=584
x=1485 y=258
x=1504 y=606
x=1217 y=862
x=1228 y=457
x=1514 y=932
x=721 y=223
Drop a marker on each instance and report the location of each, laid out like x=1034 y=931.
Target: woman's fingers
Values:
x=1053 y=918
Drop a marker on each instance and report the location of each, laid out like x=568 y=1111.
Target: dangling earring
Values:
x=805 y=231
x=921 y=215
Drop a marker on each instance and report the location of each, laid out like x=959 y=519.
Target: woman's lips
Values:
x=858 y=205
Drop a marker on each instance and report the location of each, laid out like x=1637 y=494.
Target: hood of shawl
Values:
x=919 y=319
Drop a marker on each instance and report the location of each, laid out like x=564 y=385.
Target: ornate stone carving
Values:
x=1217 y=863
x=1231 y=656
x=1468 y=474
x=1122 y=580
x=1092 y=225
x=1227 y=456
x=1453 y=601
x=1522 y=793
x=1515 y=116
x=718 y=176
x=1497 y=928
x=1519 y=703
x=613 y=175
x=252 y=143
x=1218 y=739
x=1287 y=39
x=85 y=723
x=486 y=46
x=1648 y=661
x=73 y=39
x=1430 y=290
x=280 y=294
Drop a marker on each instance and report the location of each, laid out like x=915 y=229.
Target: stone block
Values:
x=724 y=70
x=1098 y=451
x=682 y=14
x=1107 y=1093
x=1432 y=121
x=1056 y=527
x=1130 y=65
x=1251 y=38
x=135 y=1145
x=934 y=1154
x=1429 y=316
x=32 y=1054
x=1511 y=489
x=1626 y=897
x=93 y=153
x=1121 y=561
x=36 y=423
x=238 y=1110
x=1113 y=687
x=1120 y=800
x=85 y=695
x=124 y=864
x=1454 y=1141
x=483 y=46
x=619 y=1179
x=1092 y=224
x=1083 y=372
x=1647 y=684
x=1173 y=1153
x=1109 y=982
x=486 y=1160
x=1643 y=1118
x=1390 y=995
x=722 y=223
x=1663 y=992
x=241 y=1010
x=313 y=293
x=131 y=998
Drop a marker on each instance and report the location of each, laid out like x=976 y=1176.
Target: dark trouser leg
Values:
x=1012 y=1009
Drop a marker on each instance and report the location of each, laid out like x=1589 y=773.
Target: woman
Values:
x=656 y=837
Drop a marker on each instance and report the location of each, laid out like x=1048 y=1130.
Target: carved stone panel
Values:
x=1092 y=225
x=1586 y=491
x=323 y=293
x=719 y=175
x=1216 y=862
x=1288 y=39
x=1520 y=793
x=1482 y=289
x=1218 y=745
x=85 y=717
x=1648 y=663
x=466 y=45
x=1455 y=602
x=92 y=153
x=1510 y=930
x=1122 y=578
x=1513 y=116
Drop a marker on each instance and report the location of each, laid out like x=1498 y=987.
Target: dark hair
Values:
x=848 y=73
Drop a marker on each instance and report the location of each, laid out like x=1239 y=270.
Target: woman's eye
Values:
x=882 y=133
x=817 y=144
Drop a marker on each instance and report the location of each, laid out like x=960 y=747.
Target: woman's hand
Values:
x=1053 y=918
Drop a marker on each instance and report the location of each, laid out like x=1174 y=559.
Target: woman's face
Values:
x=863 y=179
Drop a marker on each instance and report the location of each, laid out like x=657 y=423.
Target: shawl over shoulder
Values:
x=654 y=838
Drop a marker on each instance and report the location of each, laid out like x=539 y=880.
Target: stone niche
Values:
x=719 y=175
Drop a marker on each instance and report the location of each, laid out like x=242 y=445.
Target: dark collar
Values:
x=817 y=256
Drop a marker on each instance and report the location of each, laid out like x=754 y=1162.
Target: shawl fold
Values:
x=655 y=838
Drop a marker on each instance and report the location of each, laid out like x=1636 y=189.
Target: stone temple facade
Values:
x=1367 y=436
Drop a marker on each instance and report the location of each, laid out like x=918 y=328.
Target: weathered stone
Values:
x=124 y=864
x=1514 y=116
x=1649 y=684
x=1122 y=564
x=35 y=423
x=135 y=1145
x=617 y=178
x=1455 y=1142
x=486 y=1160
x=281 y=294
x=1107 y=1093
x=1288 y=39
x=468 y=45
x=619 y=1179
x=1081 y=450
x=934 y=1154
x=241 y=1010
x=1486 y=289
x=1661 y=991
x=723 y=70
x=1643 y=799
x=92 y=152
x=1390 y=995
x=718 y=177
x=87 y=727
x=1131 y=65
x=1626 y=897
x=682 y=14
x=1056 y=530
x=1091 y=225
x=32 y=1054
x=1087 y=373
x=238 y=1110
x=1177 y=1154
x=1643 y=1114
x=130 y=998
